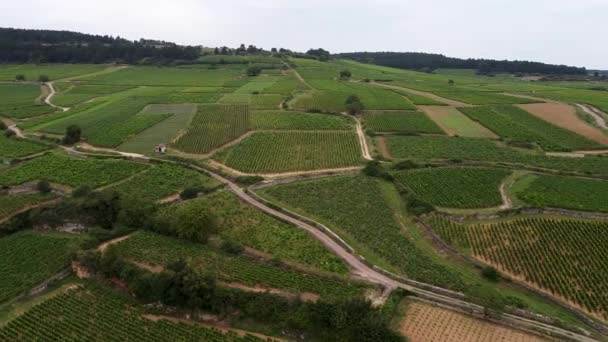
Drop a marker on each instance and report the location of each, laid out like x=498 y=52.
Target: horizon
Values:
x=458 y=30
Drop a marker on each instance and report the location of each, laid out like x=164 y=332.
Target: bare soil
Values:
x=104 y=246
x=304 y=296
x=564 y=116
x=386 y=153
x=424 y=323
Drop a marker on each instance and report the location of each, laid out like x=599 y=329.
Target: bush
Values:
x=189 y=193
x=416 y=206
x=9 y=133
x=254 y=70
x=43 y=78
x=44 y=186
x=345 y=74
x=405 y=165
x=72 y=135
x=20 y=77
x=232 y=247
x=354 y=105
x=490 y=273
x=374 y=168
x=248 y=180
x=3 y=125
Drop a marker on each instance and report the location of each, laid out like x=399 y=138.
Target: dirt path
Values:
x=50 y=96
x=384 y=150
x=236 y=172
x=104 y=246
x=87 y=146
x=506 y=201
x=595 y=113
x=299 y=77
x=17 y=130
x=449 y=102
x=529 y=97
x=362 y=140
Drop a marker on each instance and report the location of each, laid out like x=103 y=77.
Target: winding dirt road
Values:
x=599 y=119
x=49 y=98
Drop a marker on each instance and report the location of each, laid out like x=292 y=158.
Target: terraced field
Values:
x=291 y=120
x=275 y=152
x=459 y=187
x=563 y=257
x=160 y=250
x=11 y=148
x=212 y=127
x=53 y=71
x=10 y=204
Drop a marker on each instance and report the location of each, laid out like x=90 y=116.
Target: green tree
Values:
x=254 y=70
x=20 y=77
x=345 y=74
x=44 y=186
x=490 y=273
x=72 y=135
x=354 y=105
x=451 y=82
x=43 y=78
x=190 y=223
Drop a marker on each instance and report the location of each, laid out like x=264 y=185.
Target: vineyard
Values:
x=273 y=152
x=482 y=97
x=75 y=172
x=9 y=204
x=401 y=122
x=53 y=71
x=566 y=192
x=161 y=181
x=437 y=147
x=563 y=257
x=14 y=148
x=19 y=101
x=160 y=250
x=517 y=125
x=27 y=259
x=214 y=126
x=427 y=323
x=239 y=222
x=458 y=187
x=288 y=120
x=74 y=94
x=355 y=206
x=91 y=313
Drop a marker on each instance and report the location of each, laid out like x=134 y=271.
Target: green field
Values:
x=250 y=227
x=564 y=257
x=482 y=97
x=166 y=76
x=517 y=125
x=53 y=71
x=565 y=192
x=21 y=100
x=446 y=148
x=274 y=152
x=160 y=250
x=70 y=94
x=15 y=148
x=291 y=120
x=29 y=258
x=10 y=204
x=162 y=180
x=92 y=313
x=400 y=122
x=357 y=208
x=457 y=187
x=374 y=98
x=212 y=127
x=75 y=172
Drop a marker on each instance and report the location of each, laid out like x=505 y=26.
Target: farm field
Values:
x=239 y=222
x=563 y=257
x=53 y=71
x=10 y=204
x=162 y=180
x=452 y=148
x=453 y=122
x=70 y=94
x=482 y=97
x=71 y=171
x=29 y=258
x=400 y=122
x=594 y=98
x=565 y=116
x=83 y=304
x=156 y=249
x=519 y=126
x=292 y=120
x=458 y=187
x=212 y=127
x=11 y=148
x=276 y=152
x=565 y=192
x=21 y=100
x=355 y=206
x=427 y=323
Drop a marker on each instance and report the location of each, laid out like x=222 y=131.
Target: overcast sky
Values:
x=570 y=32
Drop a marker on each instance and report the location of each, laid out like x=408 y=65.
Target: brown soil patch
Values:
x=384 y=151
x=104 y=246
x=424 y=322
x=564 y=116
x=304 y=296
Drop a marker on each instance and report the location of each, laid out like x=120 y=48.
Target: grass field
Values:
x=457 y=187
x=116 y=319
x=516 y=125
x=10 y=204
x=565 y=192
x=455 y=123
x=425 y=322
x=166 y=76
x=564 y=257
x=21 y=100
x=374 y=98
x=446 y=148
x=14 y=147
x=53 y=71
x=356 y=207
x=163 y=132
x=275 y=152
x=160 y=250
x=400 y=122
x=248 y=226
x=29 y=258
x=59 y=168
x=162 y=180
x=212 y=127
x=482 y=97
x=291 y=120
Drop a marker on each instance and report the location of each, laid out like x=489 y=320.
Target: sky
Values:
x=571 y=32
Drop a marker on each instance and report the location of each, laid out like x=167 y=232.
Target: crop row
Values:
x=289 y=120
x=400 y=121
x=9 y=204
x=14 y=148
x=565 y=257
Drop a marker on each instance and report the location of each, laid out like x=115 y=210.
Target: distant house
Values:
x=160 y=148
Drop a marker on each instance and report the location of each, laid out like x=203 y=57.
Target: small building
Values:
x=160 y=148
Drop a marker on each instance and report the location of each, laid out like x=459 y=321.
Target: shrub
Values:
x=20 y=77
x=345 y=74
x=254 y=70
x=373 y=168
x=9 y=133
x=72 y=135
x=354 y=105
x=44 y=186
x=3 y=125
x=416 y=206
x=490 y=273
x=232 y=247
x=189 y=193
x=405 y=165
x=43 y=78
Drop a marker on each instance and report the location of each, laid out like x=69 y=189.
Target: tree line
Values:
x=429 y=62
